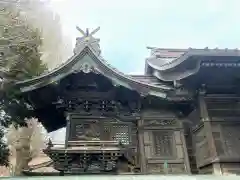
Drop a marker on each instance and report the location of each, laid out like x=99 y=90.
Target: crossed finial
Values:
x=87 y=34
x=87 y=39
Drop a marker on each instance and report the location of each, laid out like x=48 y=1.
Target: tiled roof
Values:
x=165 y=64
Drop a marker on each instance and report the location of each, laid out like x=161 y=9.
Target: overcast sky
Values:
x=128 y=26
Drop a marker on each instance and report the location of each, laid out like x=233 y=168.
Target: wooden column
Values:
x=208 y=130
x=67 y=130
x=186 y=157
x=142 y=157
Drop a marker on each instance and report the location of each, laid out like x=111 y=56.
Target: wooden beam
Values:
x=208 y=129
x=185 y=151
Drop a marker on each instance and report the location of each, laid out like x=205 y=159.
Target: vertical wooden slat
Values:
x=177 y=136
x=67 y=130
x=207 y=125
x=143 y=164
x=208 y=128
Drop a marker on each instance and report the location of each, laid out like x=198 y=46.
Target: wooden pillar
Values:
x=142 y=157
x=67 y=130
x=208 y=130
x=186 y=157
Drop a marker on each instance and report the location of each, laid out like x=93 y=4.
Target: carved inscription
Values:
x=163 y=141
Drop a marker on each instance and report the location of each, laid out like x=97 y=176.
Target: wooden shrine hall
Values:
x=181 y=117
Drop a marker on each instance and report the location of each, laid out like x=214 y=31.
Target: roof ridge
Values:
x=190 y=48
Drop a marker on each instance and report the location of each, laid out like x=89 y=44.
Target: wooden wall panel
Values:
x=168 y=131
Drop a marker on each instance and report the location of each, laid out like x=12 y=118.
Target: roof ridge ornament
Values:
x=87 y=39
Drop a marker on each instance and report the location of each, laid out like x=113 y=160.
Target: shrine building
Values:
x=182 y=116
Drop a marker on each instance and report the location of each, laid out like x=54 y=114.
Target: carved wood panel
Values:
x=102 y=129
x=155 y=168
x=163 y=143
x=231 y=136
x=87 y=130
x=109 y=129
x=148 y=144
x=177 y=168
x=202 y=150
x=218 y=143
x=161 y=123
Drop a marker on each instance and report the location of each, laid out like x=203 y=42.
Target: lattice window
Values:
x=163 y=141
x=121 y=133
x=116 y=132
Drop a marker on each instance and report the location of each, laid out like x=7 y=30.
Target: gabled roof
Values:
x=167 y=64
x=87 y=60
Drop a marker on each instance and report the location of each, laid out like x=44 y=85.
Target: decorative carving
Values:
x=86 y=68
x=87 y=132
x=102 y=159
x=87 y=39
x=100 y=106
x=163 y=122
x=96 y=105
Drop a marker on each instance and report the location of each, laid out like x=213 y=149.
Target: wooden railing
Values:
x=92 y=143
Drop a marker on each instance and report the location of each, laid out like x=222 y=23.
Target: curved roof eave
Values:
x=103 y=68
x=191 y=52
x=173 y=76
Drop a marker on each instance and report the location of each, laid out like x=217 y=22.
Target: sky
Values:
x=129 y=26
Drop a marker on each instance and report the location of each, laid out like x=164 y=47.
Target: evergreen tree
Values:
x=19 y=46
x=4 y=151
x=19 y=60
